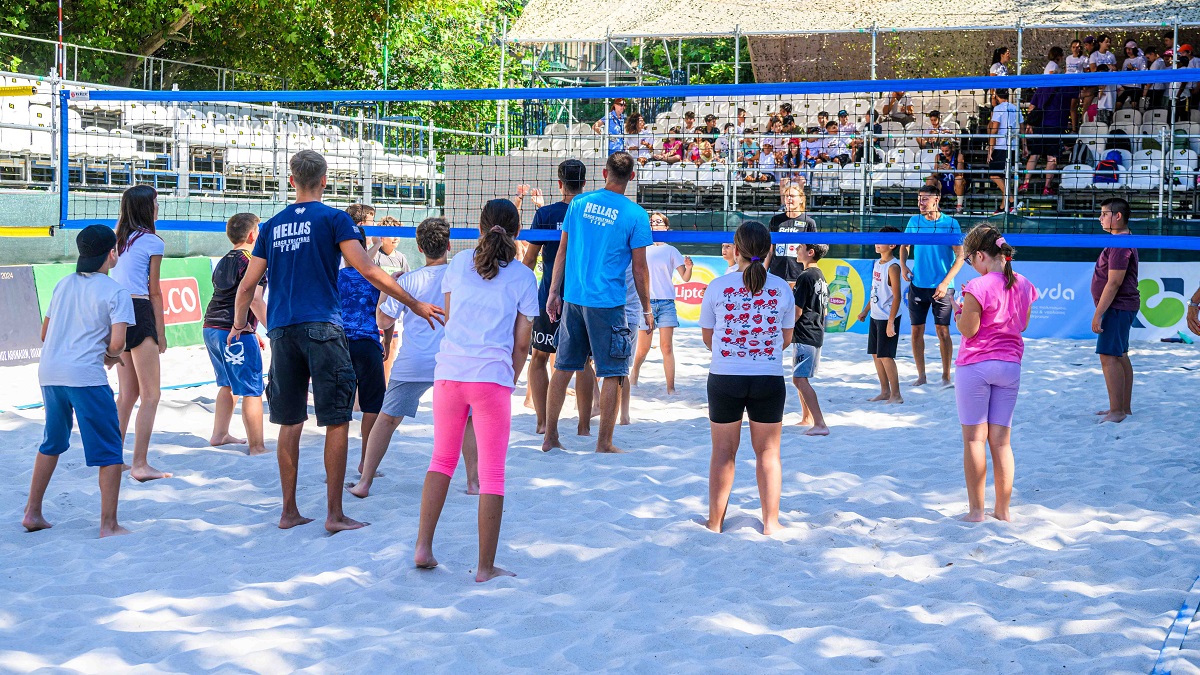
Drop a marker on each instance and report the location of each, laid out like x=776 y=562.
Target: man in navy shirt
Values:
x=302 y=246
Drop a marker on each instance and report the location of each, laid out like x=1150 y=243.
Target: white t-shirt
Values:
x=1008 y=117
x=478 y=343
x=1159 y=64
x=810 y=149
x=1108 y=97
x=881 y=290
x=1134 y=63
x=998 y=69
x=1052 y=68
x=132 y=270
x=766 y=161
x=391 y=262
x=747 y=331
x=1101 y=58
x=663 y=260
x=1076 y=64
x=82 y=311
x=418 y=342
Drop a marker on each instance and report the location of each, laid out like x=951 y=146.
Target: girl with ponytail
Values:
x=994 y=312
x=747 y=318
x=490 y=308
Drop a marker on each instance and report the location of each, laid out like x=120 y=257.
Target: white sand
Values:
x=616 y=569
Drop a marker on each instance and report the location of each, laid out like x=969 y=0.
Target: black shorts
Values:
x=997 y=165
x=920 y=300
x=1050 y=147
x=731 y=396
x=544 y=333
x=316 y=351
x=144 y=326
x=367 y=357
x=878 y=342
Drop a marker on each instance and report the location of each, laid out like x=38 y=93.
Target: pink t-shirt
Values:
x=1003 y=318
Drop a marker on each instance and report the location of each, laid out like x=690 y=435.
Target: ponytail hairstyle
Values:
x=753 y=242
x=987 y=239
x=498 y=224
x=136 y=217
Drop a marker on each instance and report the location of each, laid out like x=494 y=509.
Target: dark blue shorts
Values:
x=96 y=411
x=238 y=365
x=599 y=332
x=1115 y=323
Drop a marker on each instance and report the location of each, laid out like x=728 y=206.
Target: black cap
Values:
x=94 y=243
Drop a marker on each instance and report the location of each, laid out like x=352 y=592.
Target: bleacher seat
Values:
x=555 y=129
x=851 y=177
x=1144 y=175
x=1076 y=177
x=1127 y=116
x=1156 y=116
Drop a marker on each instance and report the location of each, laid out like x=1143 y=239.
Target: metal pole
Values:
x=501 y=106
x=1166 y=153
x=387 y=40
x=56 y=126
x=869 y=150
x=737 y=53
x=63 y=169
x=641 y=61
x=1012 y=189
x=1162 y=140
x=365 y=170
x=60 y=54
x=607 y=83
x=431 y=186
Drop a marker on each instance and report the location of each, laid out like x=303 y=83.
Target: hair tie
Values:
x=1008 y=258
x=1000 y=242
x=497 y=228
x=755 y=259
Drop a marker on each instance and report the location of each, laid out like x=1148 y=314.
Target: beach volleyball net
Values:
x=709 y=156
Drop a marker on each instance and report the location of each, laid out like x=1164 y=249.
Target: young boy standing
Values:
x=812 y=302
x=664 y=261
x=1115 y=292
x=237 y=364
x=90 y=313
x=359 y=300
x=883 y=335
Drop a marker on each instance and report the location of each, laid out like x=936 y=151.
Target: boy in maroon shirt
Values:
x=1115 y=292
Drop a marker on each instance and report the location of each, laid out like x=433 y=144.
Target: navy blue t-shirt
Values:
x=300 y=245
x=549 y=217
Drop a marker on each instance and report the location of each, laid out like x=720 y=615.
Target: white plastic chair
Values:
x=1076 y=177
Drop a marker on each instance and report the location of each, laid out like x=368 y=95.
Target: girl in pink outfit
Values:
x=993 y=314
x=490 y=307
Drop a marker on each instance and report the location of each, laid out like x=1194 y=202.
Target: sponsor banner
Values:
x=1064 y=308
x=20 y=324
x=186 y=285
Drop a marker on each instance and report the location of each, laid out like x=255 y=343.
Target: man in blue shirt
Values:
x=932 y=280
x=602 y=233
x=615 y=122
x=302 y=246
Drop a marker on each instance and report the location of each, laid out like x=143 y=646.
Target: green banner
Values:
x=186 y=284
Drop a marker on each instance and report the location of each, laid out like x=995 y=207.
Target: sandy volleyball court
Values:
x=616 y=570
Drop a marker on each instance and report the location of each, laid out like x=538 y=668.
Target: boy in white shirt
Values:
x=83 y=333
x=663 y=261
x=883 y=334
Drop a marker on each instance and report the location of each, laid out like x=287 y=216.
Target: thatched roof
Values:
x=555 y=20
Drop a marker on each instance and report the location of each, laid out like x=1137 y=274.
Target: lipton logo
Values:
x=690 y=293
x=181 y=301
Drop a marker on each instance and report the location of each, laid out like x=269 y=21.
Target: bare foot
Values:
x=335 y=525
x=584 y=429
x=551 y=443
x=895 y=401
x=670 y=391
x=818 y=430
x=1002 y=515
x=633 y=379
x=881 y=397
x=288 y=521
x=974 y=517
x=608 y=448
x=713 y=527
x=423 y=558
x=806 y=422
x=147 y=473
x=529 y=402
x=33 y=523
x=919 y=382
x=541 y=428
x=1101 y=412
x=487 y=575
x=947 y=384
x=125 y=467
x=227 y=439
x=114 y=531
x=255 y=450
x=472 y=488
x=772 y=528
x=624 y=422
x=1114 y=417
x=360 y=489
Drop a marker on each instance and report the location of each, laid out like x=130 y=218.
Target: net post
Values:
x=365 y=169
x=737 y=53
x=63 y=170
x=1163 y=143
x=431 y=180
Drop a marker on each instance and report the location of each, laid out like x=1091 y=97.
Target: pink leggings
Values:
x=490 y=405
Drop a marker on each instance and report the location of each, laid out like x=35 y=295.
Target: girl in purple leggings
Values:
x=490 y=307
x=994 y=312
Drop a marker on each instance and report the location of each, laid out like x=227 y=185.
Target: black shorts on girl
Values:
x=732 y=396
x=146 y=327
x=878 y=342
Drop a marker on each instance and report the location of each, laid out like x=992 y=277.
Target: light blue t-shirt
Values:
x=931 y=263
x=602 y=229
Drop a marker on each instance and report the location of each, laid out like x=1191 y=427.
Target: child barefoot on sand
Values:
x=1115 y=292
x=993 y=314
x=84 y=332
x=237 y=366
x=883 y=336
x=811 y=297
x=746 y=320
x=491 y=302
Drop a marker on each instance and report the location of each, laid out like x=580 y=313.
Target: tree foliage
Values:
x=712 y=60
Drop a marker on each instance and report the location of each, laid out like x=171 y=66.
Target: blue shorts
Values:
x=664 y=315
x=808 y=358
x=599 y=332
x=1115 y=323
x=238 y=365
x=96 y=411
